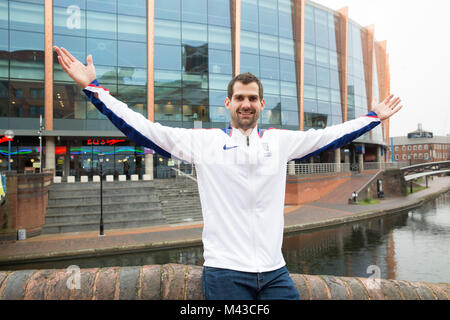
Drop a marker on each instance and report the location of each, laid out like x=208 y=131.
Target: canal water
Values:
x=411 y=245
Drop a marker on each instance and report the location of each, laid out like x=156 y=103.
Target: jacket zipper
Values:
x=248 y=141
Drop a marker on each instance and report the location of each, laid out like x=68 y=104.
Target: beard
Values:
x=247 y=122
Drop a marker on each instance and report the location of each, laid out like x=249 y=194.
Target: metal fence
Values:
x=317 y=168
x=384 y=165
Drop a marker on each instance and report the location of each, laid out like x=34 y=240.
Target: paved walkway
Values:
x=312 y=215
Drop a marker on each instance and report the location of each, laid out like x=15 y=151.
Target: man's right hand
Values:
x=81 y=74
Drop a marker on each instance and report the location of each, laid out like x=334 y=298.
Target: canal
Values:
x=411 y=245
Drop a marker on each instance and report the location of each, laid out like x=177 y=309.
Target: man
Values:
x=241 y=174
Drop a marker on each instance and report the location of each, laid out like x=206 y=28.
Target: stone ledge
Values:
x=183 y=282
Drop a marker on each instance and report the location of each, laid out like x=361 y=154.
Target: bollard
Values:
x=183 y=282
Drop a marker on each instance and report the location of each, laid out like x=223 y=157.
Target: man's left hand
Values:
x=387 y=108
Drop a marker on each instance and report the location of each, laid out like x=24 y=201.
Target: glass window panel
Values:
x=127 y=75
x=132 y=54
x=195 y=80
x=322 y=36
x=271 y=86
x=192 y=96
x=26 y=16
x=27 y=55
x=194 y=10
x=166 y=95
x=132 y=93
x=66 y=3
x=272 y=101
x=219 y=114
x=271 y=116
x=310 y=53
x=310 y=29
x=268 y=17
x=249 y=42
x=220 y=61
x=70 y=20
x=219 y=38
x=217 y=97
x=69 y=109
x=288 y=88
x=334 y=79
x=310 y=74
x=106 y=74
x=75 y=45
x=269 y=68
x=99 y=5
x=336 y=109
x=195 y=59
x=322 y=57
x=219 y=81
x=310 y=92
x=168 y=9
x=167 y=32
x=195 y=113
x=287 y=49
x=104 y=52
x=249 y=14
x=323 y=94
x=4 y=53
x=289 y=103
x=102 y=25
x=335 y=96
x=289 y=118
x=219 y=12
x=167 y=78
x=334 y=63
x=4 y=14
x=288 y=70
x=250 y=63
x=268 y=45
x=135 y=7
x=167 y=112
x=324 y=107
x=285 y=19
x=27 y=99
x=132 y=28
x=323 y=77
x=194 y=34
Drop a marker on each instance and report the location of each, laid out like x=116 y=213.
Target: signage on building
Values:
x=5 y=139
x=103 y=142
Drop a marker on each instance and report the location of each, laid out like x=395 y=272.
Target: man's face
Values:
x=245 y=106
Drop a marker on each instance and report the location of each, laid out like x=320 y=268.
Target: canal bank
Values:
x=314 y=215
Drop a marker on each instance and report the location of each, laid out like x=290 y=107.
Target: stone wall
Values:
x=183 y=282
x=25 y=205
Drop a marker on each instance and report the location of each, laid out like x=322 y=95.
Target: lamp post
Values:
x=10 y=135
x=100 y=159
x=41 y=129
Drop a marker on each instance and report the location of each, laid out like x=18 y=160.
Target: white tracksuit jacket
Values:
x=241 y=181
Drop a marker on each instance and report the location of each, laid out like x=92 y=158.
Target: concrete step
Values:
x=55 y=194
x=96 y=185
x=81 y=217
x=108 y=225
x=112 y=207
x=94 y=199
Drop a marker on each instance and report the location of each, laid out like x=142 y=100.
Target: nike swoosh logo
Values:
x=228 y=148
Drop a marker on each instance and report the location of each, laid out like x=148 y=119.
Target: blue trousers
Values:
x=224 y=284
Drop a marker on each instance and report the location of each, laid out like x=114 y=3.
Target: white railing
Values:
x=317 y=168
x=383 y=165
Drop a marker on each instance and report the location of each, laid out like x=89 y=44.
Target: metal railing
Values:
x=317 y=168
x=383 y=165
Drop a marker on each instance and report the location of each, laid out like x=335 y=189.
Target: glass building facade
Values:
x=315 y=74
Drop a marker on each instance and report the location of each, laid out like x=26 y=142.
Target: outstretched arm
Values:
x=81 y=74
x=165 y=140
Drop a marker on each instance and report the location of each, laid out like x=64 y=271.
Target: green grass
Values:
x=369 y=201
x=415 y=189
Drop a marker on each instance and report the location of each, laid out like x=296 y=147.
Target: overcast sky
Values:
x=418 y=44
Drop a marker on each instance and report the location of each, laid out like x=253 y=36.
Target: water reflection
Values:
x=411 y=245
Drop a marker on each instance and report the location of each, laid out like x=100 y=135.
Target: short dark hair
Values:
x=245 y=78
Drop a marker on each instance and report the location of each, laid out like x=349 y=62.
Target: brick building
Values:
x=420 y=146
